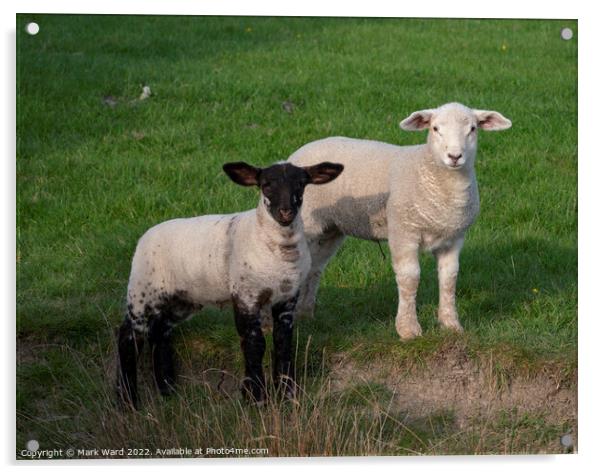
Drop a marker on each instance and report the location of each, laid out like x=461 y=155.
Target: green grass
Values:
x=92 y=178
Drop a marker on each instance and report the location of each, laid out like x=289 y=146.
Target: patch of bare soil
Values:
x=452 y=381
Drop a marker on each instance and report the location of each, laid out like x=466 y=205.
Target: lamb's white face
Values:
x=453 y=136
x=453 y=131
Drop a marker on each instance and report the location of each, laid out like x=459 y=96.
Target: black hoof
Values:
x=167 y=388
x=253 y=392
x=125 y=398
x=286 y=388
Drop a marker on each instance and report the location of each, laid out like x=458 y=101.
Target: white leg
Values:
x=321 y=252
x=407 y=275
x=447 y=268
x=308 y=293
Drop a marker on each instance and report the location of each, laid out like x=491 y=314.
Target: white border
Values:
x=373 y=8
x=589 y=38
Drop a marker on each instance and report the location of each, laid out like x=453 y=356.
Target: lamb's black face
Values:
x=282 y=185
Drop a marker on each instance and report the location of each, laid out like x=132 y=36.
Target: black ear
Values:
x=323 y=172
x=242 y=173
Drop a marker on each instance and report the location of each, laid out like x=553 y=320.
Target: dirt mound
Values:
x=451 y=380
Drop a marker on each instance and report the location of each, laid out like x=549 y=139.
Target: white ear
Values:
x=491 y=120
x=418 y=120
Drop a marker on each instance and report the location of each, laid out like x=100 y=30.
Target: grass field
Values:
x=96 y=167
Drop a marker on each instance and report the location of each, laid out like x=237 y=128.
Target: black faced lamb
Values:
x=253 y=260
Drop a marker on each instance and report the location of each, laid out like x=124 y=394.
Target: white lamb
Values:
x=254 y=259
x=416 y=197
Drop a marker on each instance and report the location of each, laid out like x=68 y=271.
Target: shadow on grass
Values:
x=531 y=282
x=497 y=282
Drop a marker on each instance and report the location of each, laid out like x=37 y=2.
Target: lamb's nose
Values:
x=286 y=214
x=455 y=157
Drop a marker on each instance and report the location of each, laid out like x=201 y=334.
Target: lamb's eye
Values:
x=436 y=129
x=473 y=128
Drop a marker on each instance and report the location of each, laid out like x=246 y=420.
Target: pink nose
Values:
x=286 y=214
x=454 y=158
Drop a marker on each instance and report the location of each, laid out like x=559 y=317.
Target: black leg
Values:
x=283 y=364
x=252 y=343
x=130 y=344
x=163 y=356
